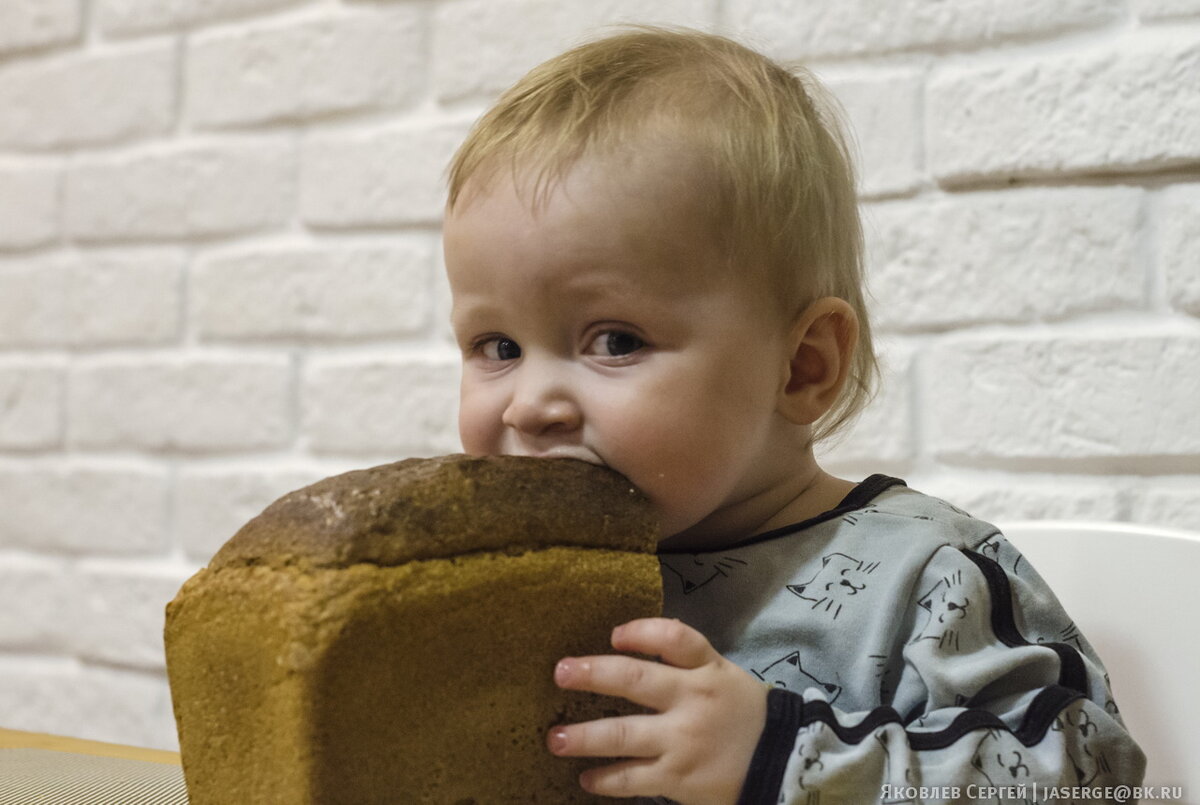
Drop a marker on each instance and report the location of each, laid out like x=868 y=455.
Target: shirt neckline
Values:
x=862 y=494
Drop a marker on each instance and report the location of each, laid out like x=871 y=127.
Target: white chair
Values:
x=1134 y=592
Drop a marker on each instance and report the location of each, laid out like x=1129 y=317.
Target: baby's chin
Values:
x=690 y=532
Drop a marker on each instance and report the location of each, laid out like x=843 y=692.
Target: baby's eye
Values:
x=500 y=349
x=615 y=344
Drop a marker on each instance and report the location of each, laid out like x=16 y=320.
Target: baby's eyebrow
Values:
x=468 y=313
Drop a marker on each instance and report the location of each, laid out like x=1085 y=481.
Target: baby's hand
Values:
x=696 y=748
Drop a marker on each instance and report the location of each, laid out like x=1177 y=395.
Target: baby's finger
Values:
x=674 y=641
x=649 y=684
x=624 y=736
x=629 y=778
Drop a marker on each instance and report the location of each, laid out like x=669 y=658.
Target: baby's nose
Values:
x=535 y=419
x=542 y=406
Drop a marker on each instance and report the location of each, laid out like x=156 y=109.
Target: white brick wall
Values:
x=181 y=192
x=1025 y=254
x=31 y=24
x=88 y=98
x=220 y=276
x=852 y=28
x=1105 y=107
x=251 y=74
x=28 y=205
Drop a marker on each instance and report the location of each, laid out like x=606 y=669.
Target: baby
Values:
x=655 y=257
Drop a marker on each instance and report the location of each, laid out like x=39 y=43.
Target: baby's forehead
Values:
x=652 y=161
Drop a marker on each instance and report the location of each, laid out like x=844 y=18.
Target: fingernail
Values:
x=562 y=672
x=558 y=741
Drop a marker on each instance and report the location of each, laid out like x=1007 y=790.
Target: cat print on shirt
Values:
x=946 y=604
x=694 y=571
x=1001 y=551
x=990 y=547
x=840 y=578
x=1110 y=705
x=1086 y=763
x=788 y=672
x=1069 y=635
x=810 y=766
x=887 y=670
x=1000 y=763
x=902 y=776
x=951 y=507
x=853 y=517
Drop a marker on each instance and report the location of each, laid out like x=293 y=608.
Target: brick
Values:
x=1167 y=9
x=1171 y=502
x=91 y=299
x=121 y=612
x=1011 y=256
x=63 y=697
x=511 y=36
x=29 y=206
x=76 y=509
x=1120 y=395
x=88 y=99
x=327 y=292
x=377 y=178
x=190 y=404
x=1037 y=497
x=211 y=505
x=1090 y=110
x=338 y=63
x=27 y=24
x=1179 y=246
x=884 y=431
x=41 y=590
x=882 y=111
x=184 y=192
x=801 y=30
x=31 y=406
x=381 y=406
x=130 y=17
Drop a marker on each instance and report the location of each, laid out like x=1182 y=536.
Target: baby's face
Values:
x=605 y=326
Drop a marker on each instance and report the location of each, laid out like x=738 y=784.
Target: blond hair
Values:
x=785 y=185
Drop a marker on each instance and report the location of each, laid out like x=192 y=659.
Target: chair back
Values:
x=1131 y=591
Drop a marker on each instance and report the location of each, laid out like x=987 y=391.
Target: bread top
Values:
x=444 y=507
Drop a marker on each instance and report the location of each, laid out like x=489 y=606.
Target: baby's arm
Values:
x=697 y=744
x=991 y=716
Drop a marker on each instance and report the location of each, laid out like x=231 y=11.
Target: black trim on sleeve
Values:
x=1042 y=711
x=768 y=764
x=1072 y=673
x=785 y=716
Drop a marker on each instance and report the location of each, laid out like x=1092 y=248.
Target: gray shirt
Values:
x=914 y=656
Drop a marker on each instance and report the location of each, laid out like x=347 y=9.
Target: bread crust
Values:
x=389 y=635
x=443 y=507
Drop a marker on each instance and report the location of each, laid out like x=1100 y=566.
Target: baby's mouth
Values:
x=578 y=452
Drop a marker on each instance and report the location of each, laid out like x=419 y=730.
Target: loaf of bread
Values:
x=389 y=635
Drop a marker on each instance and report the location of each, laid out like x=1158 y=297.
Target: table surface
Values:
x=16 y=739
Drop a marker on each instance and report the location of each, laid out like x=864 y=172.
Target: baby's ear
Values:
x=821 y=341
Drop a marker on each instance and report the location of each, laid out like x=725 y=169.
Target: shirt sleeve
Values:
x=1001 y=718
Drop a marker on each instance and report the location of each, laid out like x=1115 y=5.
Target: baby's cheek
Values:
x=477 y=428
x=679 y=486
